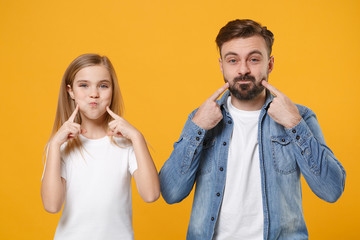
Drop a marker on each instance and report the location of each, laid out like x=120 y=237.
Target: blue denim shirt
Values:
x=201 y=156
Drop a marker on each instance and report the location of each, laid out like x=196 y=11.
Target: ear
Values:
x=271 y=64
x=221 y=66
x=70 y=91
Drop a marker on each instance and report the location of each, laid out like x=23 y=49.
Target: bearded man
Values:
x=247 y=151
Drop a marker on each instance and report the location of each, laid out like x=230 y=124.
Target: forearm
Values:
x=323 y=172
x=52 y=186
x=146 y=175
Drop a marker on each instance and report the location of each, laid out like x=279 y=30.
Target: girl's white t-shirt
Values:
x=98 y=191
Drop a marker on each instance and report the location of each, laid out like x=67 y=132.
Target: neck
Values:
x=95 y=128
x=249 y=105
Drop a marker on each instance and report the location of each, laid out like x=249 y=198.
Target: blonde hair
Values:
x=66 y=105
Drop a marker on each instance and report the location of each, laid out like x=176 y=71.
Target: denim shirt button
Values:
x=199 y=132
x=212 y=218
x=297 y=137
x=224 y=143
x=294 y=131
x=195 y=151
x=218 y=194
x=229 y=122
x=197 y=138
x=283 y=139
x=221 y=169
x=302 y=152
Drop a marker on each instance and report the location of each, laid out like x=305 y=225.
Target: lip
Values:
x=93 y=104
x=244 y=81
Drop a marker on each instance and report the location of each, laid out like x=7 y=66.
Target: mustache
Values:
x=244 y=78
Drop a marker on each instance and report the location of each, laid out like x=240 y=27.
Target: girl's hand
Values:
x=68 y=130
x=120 y=127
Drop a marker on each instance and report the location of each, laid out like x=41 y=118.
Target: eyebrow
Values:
x=252 y=52
x=230 y=53
x=83 y=80
x=255 y=52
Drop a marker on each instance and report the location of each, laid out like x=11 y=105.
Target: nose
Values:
x=94 y=93
x=243 y=68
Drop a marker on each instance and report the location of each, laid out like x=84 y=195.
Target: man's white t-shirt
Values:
x=98 y=191
x=241 y=212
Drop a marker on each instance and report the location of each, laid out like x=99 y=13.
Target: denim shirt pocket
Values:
x=283 y=155
x=207 y=156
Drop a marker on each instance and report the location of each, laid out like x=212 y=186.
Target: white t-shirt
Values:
x=241 y=213
x=98 y=192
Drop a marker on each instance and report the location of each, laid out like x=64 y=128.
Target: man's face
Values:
x=244 y=64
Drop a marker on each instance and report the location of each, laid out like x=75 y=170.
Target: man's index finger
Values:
x=218 y=92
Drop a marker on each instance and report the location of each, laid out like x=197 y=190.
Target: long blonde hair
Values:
x=66 y=105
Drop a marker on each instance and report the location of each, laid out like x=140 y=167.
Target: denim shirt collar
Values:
x=223 y=101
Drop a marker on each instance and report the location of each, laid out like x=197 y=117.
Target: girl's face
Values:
x=92 y=91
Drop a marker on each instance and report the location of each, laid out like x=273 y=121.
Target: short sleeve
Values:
x=62 y=161
x=63 y=169
x=132 y=161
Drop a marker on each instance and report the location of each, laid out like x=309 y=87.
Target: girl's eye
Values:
x=104 y=86
x=83 y=85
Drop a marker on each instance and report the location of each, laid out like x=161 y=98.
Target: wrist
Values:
x=136 y=136
x=53 y=144
x=293 y=122
x=197 y=123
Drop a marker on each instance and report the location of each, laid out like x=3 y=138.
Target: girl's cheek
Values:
x=80 y=103
x=108 y=100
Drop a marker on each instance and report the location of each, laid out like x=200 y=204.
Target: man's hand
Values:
x=282 y=110
x=209 y=113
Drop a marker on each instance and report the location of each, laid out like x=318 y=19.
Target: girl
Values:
x=91 y=155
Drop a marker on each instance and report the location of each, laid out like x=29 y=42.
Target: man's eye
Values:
x=232 y=60
x=254 y=60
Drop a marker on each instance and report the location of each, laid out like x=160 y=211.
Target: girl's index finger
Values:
x=73 y=115
x=112 y=114
x=270 y=87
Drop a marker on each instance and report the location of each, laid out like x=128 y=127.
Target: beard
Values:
x=245 y=91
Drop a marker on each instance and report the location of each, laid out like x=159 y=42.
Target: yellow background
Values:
x=166 y=60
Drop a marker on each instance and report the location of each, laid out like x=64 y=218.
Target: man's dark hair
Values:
x=244 y=28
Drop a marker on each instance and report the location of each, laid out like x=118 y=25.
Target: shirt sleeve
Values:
x=63 y=172
x=63 y=169
x=132 y=161
x=322 y=171
x=177 y=175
